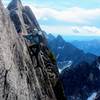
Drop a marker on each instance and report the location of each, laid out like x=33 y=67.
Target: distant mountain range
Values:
x=81 y=81
x=79 y=66
x=66 y=53
x=92 y=46
x=80 y=38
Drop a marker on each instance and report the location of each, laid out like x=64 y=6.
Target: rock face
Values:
x=16 y=8
x=26 y=73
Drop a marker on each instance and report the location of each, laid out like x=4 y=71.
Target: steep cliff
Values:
x=26 y=72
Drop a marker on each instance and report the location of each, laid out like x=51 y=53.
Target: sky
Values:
x=66 y=17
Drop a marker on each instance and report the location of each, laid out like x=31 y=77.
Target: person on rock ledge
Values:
x=34 y=40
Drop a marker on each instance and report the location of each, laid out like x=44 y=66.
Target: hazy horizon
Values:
x=80 y=38
x=70 y=38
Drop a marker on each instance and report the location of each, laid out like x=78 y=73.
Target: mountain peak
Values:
x=50 y=36
x=60 y=39
x=32 y=17
x=15 y=4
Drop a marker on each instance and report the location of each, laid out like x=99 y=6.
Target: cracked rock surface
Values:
x=24 y=74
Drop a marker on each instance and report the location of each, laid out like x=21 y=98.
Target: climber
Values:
x=33 y=40
x=34 y=37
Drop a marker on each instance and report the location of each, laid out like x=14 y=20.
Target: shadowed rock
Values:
x=81 y=80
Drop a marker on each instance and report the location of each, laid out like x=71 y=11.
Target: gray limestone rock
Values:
x=26 y=73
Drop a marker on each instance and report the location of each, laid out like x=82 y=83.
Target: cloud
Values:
x=76 y=30
x=73 y=15
x=69 y=15
x=72 y=30
x=92 y=30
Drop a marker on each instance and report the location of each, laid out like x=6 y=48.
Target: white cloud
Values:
x=74 y=14
x=45 y=19
x=92 y=30
x=72 y=30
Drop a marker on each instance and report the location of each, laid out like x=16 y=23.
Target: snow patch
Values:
x=61 y=47
x=66 y=65
x=99 y=67
x=59 y=70
x=92 y=97
x=57 y=56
